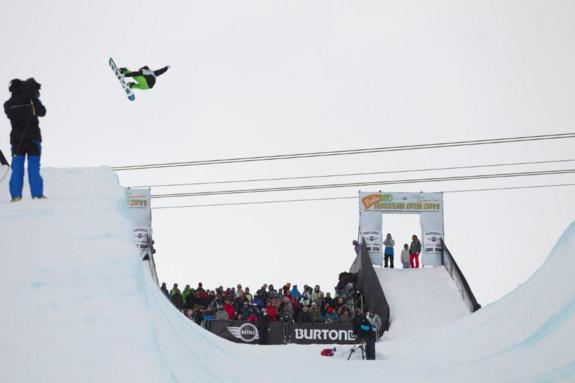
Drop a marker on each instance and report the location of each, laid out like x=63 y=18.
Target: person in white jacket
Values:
x=375 y=321
x=405 y=256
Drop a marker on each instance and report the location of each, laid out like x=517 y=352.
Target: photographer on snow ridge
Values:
x=365 y=333
x=23 y=109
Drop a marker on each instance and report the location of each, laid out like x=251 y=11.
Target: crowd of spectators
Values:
x=288 y=303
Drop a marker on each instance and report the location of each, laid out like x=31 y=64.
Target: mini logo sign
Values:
x=246 y=332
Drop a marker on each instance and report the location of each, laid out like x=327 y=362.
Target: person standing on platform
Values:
x=405 y=256
x=414 y=251
x=389 y=243
x=356 y=247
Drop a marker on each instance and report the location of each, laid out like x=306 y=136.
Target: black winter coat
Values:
x=23 y=114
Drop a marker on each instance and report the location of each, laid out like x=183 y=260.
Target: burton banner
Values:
x=323 y=333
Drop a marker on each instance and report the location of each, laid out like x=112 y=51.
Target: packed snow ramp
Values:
x=419 y=299
x=79 y=305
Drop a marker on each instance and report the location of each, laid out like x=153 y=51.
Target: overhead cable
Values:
x=368 y=183
x=353 y=197
x=348 y=152
x=352 y=174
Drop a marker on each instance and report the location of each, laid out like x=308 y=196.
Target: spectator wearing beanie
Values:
x=331 y=316
x=295 y=293
x=286 y=309
x=316 y=293
x=164 y=289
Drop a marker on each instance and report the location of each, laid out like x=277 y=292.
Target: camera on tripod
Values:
x=358 y=345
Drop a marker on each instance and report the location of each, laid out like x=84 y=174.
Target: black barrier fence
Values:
x=283 y=332
x=247 y=332
x=323 y=333
x=371 y=290
x=459 y=279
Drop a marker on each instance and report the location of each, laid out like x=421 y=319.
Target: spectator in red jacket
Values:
x=229 y=308
x=272 y=312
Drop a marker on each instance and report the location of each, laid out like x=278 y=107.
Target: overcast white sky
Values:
x=269 y=77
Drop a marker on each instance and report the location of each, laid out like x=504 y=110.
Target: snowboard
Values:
x=3 y=164
x=3 y=160
x=122 y=79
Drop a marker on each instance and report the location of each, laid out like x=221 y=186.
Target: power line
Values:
x=506 y=188
x=354 y=174
x=257 y=202
x=353 y=197
x=370 y=183
x=347 y=152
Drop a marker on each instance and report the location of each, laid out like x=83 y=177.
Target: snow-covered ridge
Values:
x=78 y=305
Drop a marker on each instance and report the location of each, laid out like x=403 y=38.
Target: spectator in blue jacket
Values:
x=331 y=316
x=259 y=301
x=389 y=243
x=295 y=293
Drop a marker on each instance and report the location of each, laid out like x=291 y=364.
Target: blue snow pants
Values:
x=32 y=150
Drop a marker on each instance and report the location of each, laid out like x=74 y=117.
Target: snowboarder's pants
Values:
x=33 y=150
x=140 y=83
x=414 y=260
x=390 y=258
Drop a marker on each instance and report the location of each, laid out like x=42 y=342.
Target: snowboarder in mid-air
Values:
x=144 y=78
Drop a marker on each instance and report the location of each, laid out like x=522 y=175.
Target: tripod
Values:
x=359 y=345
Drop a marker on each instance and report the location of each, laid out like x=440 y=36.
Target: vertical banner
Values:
x=432 y=234
x=370 y=231
x=141 y=217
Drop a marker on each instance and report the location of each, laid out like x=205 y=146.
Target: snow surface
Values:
x=419 y=299
x=78 y=305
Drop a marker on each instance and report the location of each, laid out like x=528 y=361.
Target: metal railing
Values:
x=459 y=279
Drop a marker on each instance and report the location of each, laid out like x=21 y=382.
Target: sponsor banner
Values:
x=370 y=231
x=431 y=248
x=246 y=332
x=372 y=240
x=140 y=215
x=401 y=202
x=323 y=333
x=432 y=242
